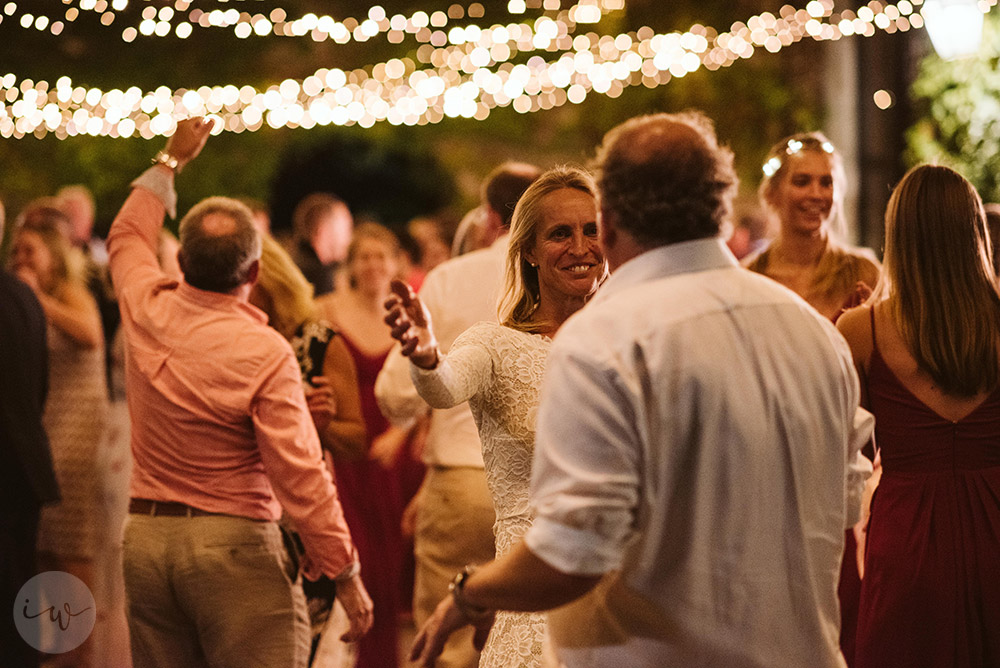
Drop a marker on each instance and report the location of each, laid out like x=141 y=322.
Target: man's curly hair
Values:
x=665 y=179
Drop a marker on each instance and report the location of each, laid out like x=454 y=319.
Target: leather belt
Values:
x=164 y=509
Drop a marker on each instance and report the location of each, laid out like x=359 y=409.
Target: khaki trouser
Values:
x=214 y=591
x=454 y=528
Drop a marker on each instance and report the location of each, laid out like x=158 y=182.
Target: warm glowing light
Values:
x=461 y=70
x=883 y=99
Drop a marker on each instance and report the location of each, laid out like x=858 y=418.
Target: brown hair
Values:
x=665 y=179
x=939 y=281
x=310 y=211
x=505 y=185
x=218 y=262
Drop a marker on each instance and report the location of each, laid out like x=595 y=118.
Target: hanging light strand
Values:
x=466 y=79
x=181 y=20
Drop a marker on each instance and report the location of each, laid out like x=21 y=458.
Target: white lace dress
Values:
x=499 y=371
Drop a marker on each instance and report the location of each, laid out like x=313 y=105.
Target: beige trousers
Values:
x=454 y=528
x=212 y=591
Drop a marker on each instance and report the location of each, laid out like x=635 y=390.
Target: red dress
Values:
x=931 y=591
x=373 y=498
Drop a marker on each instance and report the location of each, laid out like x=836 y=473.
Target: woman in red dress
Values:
x=374 y=489
x=927 y=348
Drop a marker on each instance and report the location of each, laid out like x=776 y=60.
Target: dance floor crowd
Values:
x=606 y=420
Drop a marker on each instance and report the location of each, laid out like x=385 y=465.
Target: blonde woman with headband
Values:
x=554 y=265
x=803 y=190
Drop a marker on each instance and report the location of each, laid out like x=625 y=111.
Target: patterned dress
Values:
x=76 y=418
x=499 y=371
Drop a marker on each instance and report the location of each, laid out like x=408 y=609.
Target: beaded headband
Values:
x=792 y=147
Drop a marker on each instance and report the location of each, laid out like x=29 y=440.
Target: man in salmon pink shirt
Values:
x=222 y=441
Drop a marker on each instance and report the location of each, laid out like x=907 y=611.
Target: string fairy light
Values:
x=181 y=20
x=466 y=79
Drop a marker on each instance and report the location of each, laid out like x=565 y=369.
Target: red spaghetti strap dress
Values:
x=931 y=591
x=373 y=498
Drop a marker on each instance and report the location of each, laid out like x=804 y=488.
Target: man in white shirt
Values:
x=454 y=510
x=698 y=440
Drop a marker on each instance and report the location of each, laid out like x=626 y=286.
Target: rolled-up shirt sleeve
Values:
x=585 y=479
x=133 y=236
x=292 y=458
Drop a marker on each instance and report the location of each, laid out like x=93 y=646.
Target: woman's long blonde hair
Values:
x=282 y=291
x=521 y=292
x=939 y=282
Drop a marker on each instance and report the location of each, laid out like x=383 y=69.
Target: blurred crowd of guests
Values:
x=418 y=496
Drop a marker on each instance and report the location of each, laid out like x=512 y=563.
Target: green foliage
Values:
x=959 y=105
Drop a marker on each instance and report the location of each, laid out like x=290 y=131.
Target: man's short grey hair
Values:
x=665 y=179
x=218 y=262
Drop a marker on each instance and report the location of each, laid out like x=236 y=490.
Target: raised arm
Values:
x=132 y=241
x=410 y=322
x=73 y=311
x=442 y=381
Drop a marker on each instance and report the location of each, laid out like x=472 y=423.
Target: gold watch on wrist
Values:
x=167 y=160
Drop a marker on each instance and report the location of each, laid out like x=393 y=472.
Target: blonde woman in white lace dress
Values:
x=553 y=266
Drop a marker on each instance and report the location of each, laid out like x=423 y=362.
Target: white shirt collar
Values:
x=669 y=260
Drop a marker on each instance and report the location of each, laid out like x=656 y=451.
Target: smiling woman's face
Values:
x=804 y=199
x=566 y=250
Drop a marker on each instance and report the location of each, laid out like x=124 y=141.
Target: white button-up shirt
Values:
x=698 y=441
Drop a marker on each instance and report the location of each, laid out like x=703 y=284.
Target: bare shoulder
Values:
x=855 y=326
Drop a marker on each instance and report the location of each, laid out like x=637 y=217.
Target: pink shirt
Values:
x=219 y=418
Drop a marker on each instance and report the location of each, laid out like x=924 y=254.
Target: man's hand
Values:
x=188 y=140
x=447 y=619
x=411 y=325
x=354 y=597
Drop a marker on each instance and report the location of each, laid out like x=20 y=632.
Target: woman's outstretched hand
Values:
x=411 y=325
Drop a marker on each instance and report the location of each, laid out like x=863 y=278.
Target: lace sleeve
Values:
x=464 y=372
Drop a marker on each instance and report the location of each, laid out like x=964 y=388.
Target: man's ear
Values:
x=253 y=272
x=180 y=260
